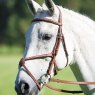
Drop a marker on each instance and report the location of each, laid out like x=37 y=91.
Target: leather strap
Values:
x=71 y=82
x=64 y=91
x=47 y=20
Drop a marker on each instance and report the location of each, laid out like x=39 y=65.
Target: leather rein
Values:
x=42 y=81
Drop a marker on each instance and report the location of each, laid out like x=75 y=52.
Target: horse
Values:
x=57 y=38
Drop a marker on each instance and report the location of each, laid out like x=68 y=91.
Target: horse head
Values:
x=45 y=48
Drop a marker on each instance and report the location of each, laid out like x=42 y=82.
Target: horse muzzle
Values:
x=22 y=88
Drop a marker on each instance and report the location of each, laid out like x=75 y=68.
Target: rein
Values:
x=47 y=77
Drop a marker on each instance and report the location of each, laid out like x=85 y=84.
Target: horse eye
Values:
x=46 y=37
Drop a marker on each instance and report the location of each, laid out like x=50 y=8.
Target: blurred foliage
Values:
x=15 y=17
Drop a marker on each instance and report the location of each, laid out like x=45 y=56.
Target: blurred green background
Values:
x=15 y=20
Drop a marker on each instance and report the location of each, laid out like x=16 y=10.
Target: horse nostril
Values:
x=24 y=88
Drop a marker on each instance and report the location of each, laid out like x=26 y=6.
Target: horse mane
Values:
x=79 y=17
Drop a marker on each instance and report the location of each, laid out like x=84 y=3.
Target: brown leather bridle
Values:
x=52 y=64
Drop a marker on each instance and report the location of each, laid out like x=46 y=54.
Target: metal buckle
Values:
x=44 y=79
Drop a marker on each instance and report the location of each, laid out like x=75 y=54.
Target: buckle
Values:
x=44 y=79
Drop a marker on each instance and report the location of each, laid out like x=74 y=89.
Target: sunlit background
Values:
x=15 y=19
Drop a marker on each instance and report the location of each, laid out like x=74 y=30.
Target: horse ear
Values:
x=34 y=6
x=51 y=6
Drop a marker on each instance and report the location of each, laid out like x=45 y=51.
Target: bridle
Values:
x=47 y=77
